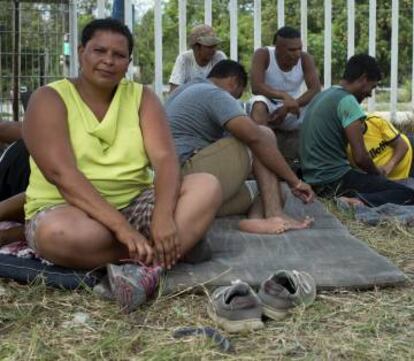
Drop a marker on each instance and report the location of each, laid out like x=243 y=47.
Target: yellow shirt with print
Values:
x=378 y=135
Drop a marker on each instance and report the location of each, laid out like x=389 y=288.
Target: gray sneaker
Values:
x=285 y=290
x=236 y=308
x=132 y=284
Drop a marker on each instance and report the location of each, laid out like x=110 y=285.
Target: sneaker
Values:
x=285 y=290
x=236 y=308
x=103 y=289
x=132 y=284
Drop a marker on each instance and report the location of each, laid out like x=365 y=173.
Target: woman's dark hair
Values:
x=228 y=68
x=362 y=64
x=107 y=24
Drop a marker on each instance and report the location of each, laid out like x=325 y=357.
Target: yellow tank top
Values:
x=110 y=153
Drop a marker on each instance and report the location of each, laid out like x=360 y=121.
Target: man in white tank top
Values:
x=277 y=75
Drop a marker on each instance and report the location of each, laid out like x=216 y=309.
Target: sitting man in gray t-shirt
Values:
x=213 y=134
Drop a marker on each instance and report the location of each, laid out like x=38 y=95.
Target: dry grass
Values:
x=37 y=323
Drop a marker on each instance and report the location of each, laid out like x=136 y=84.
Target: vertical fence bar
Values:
x=327 y=44
x=182 y=24
x=158 y=47
x=412 y=65
x=73 y=39
x=128 y=21
x=257 y=24
x=304 y=23
x=101 y=9
x=16 y=59
x=280 y=13
x=351 y=27
x=207 y=12
x=371 y=43
x=394 y=58
x=128 y=14
x=233 y=29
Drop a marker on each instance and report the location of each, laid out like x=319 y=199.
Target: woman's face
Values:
x=104 y=59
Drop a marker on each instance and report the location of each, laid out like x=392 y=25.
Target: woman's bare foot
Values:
x=273 y=225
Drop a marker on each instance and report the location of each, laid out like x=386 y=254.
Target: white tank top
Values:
x=287 y=81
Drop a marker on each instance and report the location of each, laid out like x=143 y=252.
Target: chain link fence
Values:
x=33 y=50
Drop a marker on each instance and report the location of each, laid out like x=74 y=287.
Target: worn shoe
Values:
x=103 y=289
x=236 y=308
x=285 y=290
x=132 y=284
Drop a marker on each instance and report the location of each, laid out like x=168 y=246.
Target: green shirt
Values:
x=323 y=140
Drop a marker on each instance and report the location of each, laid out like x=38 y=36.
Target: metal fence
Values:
x=33 y=39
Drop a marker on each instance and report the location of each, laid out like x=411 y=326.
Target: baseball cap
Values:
x=204 y=35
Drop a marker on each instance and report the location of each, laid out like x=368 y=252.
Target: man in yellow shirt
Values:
x=391 y=151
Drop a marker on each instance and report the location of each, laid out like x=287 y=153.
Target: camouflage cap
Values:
x=204 y=35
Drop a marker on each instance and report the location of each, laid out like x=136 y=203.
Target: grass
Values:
x=37 y=323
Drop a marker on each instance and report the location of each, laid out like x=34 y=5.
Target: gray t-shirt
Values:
x=198 y=112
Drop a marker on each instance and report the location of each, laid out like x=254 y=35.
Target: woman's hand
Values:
x=165 y=237
x=138 y=247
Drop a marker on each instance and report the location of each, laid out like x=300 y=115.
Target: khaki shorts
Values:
x=138 y=214
x=230 y=161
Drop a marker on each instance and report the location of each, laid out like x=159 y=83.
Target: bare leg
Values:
x=259 y=113
x=276 y=221
x=11 y=209
x=199 y=201
x=256 y=210
x=69 y=237
x=11 y=235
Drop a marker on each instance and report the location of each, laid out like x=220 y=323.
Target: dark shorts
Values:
x=138 y=213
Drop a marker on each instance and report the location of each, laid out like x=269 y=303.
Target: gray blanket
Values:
x=327 y=251
x=388 y=212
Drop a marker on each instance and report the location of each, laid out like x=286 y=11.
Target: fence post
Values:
x=16 y=59
x=73 y=39
x=257 y=24
x=351 y=28
x=182 y=25
x=394 y=58
x=233 y=29
x=101 y=9
x=280 y=13
x=327 y=44
x=158 y=47
x=371 y=41
x=207 y=12
x=304 y=23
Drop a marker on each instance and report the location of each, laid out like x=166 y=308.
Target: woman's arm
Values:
x=46 y=134
x=161 y=152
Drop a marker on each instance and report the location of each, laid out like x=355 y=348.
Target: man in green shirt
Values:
x=333 y=120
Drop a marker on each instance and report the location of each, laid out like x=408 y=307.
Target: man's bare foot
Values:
x=273 y=225
x=351 y=201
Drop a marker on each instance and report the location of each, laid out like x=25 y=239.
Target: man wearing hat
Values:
x=197 y=62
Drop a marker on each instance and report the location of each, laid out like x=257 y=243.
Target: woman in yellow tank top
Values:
x=95 y=142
